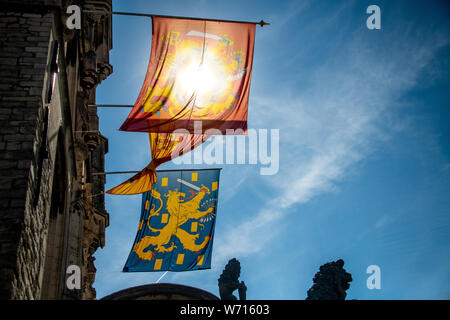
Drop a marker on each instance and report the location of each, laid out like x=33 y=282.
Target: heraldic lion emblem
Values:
x=179 y=213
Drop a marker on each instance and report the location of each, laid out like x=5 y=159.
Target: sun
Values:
x=203 y=80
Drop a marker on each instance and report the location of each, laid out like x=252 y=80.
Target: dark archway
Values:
x=161 y=291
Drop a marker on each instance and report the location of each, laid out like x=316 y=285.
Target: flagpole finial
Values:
x=262 y=23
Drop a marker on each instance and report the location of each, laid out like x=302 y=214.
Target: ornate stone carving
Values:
x=229 y=281
x=95 y=222
x=92 y=140
x=89 y=77
x=97 y=43
x=104 y=70
x=330 y=283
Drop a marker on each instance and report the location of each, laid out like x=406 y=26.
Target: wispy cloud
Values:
x=332 y=125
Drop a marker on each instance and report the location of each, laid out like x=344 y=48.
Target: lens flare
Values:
x=206 y=80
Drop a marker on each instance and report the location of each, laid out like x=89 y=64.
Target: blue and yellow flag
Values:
x=176 y=228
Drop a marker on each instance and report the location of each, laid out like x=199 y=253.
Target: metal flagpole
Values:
x=110 y=105
x=261 y=23
x=161 y=277
x=120 y=172
x=112 y=172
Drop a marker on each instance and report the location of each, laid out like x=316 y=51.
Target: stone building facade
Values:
x=52 y=212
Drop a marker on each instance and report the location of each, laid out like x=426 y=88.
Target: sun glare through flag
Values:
x=198 y=71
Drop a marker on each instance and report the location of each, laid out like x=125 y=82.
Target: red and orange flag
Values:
x=198 y=71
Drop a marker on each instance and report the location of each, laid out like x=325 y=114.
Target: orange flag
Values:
x=198 y=71
x=164 y=147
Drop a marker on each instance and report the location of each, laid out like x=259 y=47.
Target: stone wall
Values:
x=25 y=39
x=46 y=157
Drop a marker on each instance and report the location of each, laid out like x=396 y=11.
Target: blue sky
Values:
x=364 y=124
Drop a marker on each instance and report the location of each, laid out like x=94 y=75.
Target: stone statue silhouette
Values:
x=229 y=281
x=330 y=283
